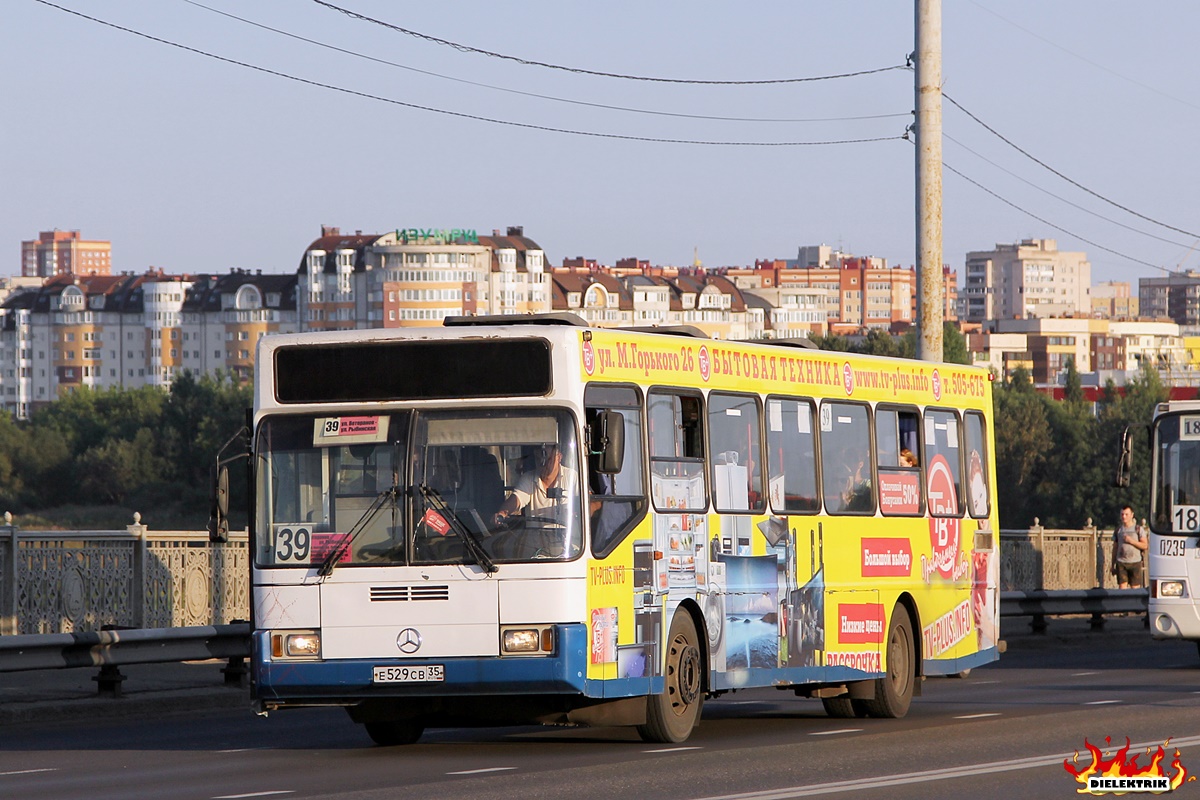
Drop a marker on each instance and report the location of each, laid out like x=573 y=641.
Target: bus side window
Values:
x=616 y=502
x=943 y=468
x=896 y=442
x=676 y=452
x=846 y=473
x=978 y=493
x=792 y=456
x=733 y=427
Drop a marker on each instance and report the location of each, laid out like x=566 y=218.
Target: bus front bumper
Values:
x=342 y=682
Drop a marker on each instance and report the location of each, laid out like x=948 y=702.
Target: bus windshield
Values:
x=1175 y=501
x=506 y=482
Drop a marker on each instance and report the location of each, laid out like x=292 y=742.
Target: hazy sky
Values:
x=194 y=164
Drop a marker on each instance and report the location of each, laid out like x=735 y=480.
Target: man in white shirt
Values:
x=543 y=490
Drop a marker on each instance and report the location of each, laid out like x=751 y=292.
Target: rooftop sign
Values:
x=437 y=236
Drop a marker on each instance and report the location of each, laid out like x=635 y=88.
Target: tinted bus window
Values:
x=792 y=456
x=846 y=459
x=943 y=470
x=733 y=427
x=615 y=502
x=676 y=452
x=978 y=495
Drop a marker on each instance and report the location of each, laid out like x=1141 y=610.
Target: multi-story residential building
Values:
x=413 y=277
x=603 y=300
x=1114 y=300
x=791 y=313
x=858 y=293
x=64 y=253
x=105 y=331
x=1032 y=278
x=1156 y=344
x=1175 y=296
x=1110 y=347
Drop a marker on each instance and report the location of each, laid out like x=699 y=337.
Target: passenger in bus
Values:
x=541 y=491
x=907 y=459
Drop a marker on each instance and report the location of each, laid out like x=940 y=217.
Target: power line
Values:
x=468 y=49
x=1084 y=59
x=386 y=62
x=1074 y=183
x=1059 y=228
x=459 y=114
x=1060 y=198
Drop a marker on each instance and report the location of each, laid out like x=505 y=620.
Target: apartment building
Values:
x=1114 y=300
x=104 y=331
x=1032 y=278
x=415 y=276
x=1110 y=347
x=64 y=253
x=1174 y=296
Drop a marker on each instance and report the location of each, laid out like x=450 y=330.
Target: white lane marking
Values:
x=480 y=771
x=839 y=730
x=672 y=750
x=242 y=750
x=29 y=771
x=901 y=779
x=253 y=794
x=1081 y=674
x=981 y=683
x=1101 y=702
x=979 y=716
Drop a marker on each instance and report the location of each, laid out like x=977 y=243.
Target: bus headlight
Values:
x=296 y=644
x=1170 y=588
x=527 y=640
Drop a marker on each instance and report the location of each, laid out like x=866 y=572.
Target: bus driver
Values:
x=542 y=490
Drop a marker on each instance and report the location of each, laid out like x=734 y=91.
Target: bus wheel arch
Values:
x=895 y=690
x=671 y=715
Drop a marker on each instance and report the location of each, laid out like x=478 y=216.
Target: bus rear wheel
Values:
x=670 y=716
x=894 y=691
x=843 y=707
x=396 y=732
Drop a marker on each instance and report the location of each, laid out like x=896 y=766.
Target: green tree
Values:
x=1023 y=443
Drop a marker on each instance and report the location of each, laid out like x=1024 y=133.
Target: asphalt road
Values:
x=1002 y=732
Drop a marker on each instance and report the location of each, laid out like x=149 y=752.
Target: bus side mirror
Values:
x=610 y=446
x=218 y=518
x=1125 y=462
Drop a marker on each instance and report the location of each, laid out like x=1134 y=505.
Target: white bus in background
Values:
x=1173 y=559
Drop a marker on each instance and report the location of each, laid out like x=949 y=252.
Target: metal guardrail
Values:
x=1041 y=604
x=112 y=648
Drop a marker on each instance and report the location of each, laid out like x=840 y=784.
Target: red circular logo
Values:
x=848 y=378
x=589 y=358
x=704 y=365
x=937 y=385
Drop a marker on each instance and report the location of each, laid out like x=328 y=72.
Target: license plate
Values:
x=426 y=673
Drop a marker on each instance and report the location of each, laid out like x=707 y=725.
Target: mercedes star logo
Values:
x=409 y=641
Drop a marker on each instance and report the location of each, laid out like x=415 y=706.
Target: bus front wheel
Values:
x=389 y=734
x=670 y=716
x=894 y=691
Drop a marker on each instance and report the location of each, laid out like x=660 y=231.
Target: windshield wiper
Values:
x=469 y=539
x=363 y=523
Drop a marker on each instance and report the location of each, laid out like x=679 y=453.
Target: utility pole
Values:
x=928 y=127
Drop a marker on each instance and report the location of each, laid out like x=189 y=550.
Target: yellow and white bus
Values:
x=522 y=519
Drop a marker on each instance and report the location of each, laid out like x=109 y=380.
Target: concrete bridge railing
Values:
x=1040 y=558
x=77 y=581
